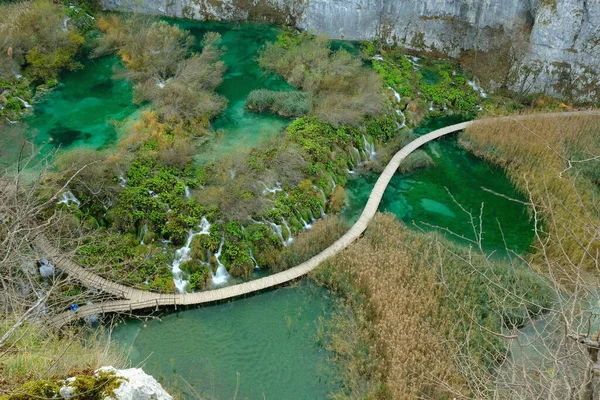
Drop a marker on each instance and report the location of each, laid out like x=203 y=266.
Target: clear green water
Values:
x=80 y=111
x=268 y=342
x=240 y=128
x=425 y=197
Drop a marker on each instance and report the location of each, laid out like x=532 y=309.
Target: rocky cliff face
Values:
x=549 y=46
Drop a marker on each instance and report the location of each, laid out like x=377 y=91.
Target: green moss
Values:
x=90 y=387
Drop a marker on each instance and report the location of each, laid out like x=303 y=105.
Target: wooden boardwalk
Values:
x=135 y=299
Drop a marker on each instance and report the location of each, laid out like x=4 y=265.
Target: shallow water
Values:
x=81 y=110
x=425 y=198
x=241 y=129
x=265 y=344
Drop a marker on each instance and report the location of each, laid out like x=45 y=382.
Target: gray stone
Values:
x=561 y=38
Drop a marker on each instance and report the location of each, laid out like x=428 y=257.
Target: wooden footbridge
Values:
x=135 y=299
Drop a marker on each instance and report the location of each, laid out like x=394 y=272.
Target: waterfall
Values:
x=306 y=226
x=46 y=268
x=183 y=254
x=188 y=195
x=65 y=23
x=398 y=111
x=369 y=148
x=122 y=180
x=152 y=194
x=396 y=94
x=275 y=189
x=143 y=233
x=25 y=104
x=68 y=197
x=322 y=193
x=476 y=88
x=221 y=276
x=377 y=57
x=333 y=185
x=9 y=121
x=358 y=158
x=290 y=239
x=322 y=212
x=403 y=124
x=204 y=227
x=431 y=106
x=256 y=266
x=278 y=232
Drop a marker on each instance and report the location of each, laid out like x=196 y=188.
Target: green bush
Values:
x=287 y=103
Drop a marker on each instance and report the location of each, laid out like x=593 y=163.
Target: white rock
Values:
x=137 y=385
x=66 y=392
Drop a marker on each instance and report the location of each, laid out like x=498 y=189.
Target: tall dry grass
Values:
x=35 y=353
x=556 y=162
x=399 y=319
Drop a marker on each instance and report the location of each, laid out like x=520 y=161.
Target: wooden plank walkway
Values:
x=135 y=299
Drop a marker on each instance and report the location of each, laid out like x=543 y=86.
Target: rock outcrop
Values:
x=136 y=385
x=124 y=384
x=547 y=46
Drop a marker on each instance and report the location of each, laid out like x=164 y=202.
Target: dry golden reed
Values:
x=402 y=301
x=555 y=161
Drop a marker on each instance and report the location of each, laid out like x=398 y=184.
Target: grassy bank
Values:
x=554 y=161
x=418 y=302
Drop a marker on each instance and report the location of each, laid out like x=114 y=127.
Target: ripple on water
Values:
x=270 y=339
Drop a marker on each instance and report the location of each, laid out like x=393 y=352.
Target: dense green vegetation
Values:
x=445 y=88
x=285 y=103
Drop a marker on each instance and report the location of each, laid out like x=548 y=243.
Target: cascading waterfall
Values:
x=188 y=194
x=267 y=189
x=65 y=21
x=306 y=226
x=122 y=181
x=221 y=276
x=290 y=239
x=333 y=185
x=398 y=111
x=256 y=266
x=183 y=254
x=476 y=88
x=358 y=158
x=25 y=104
x=322 y=193
x=143 y=233
x=369 y=148
x=322 y=212
x=278 y=231
x=69 y=197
